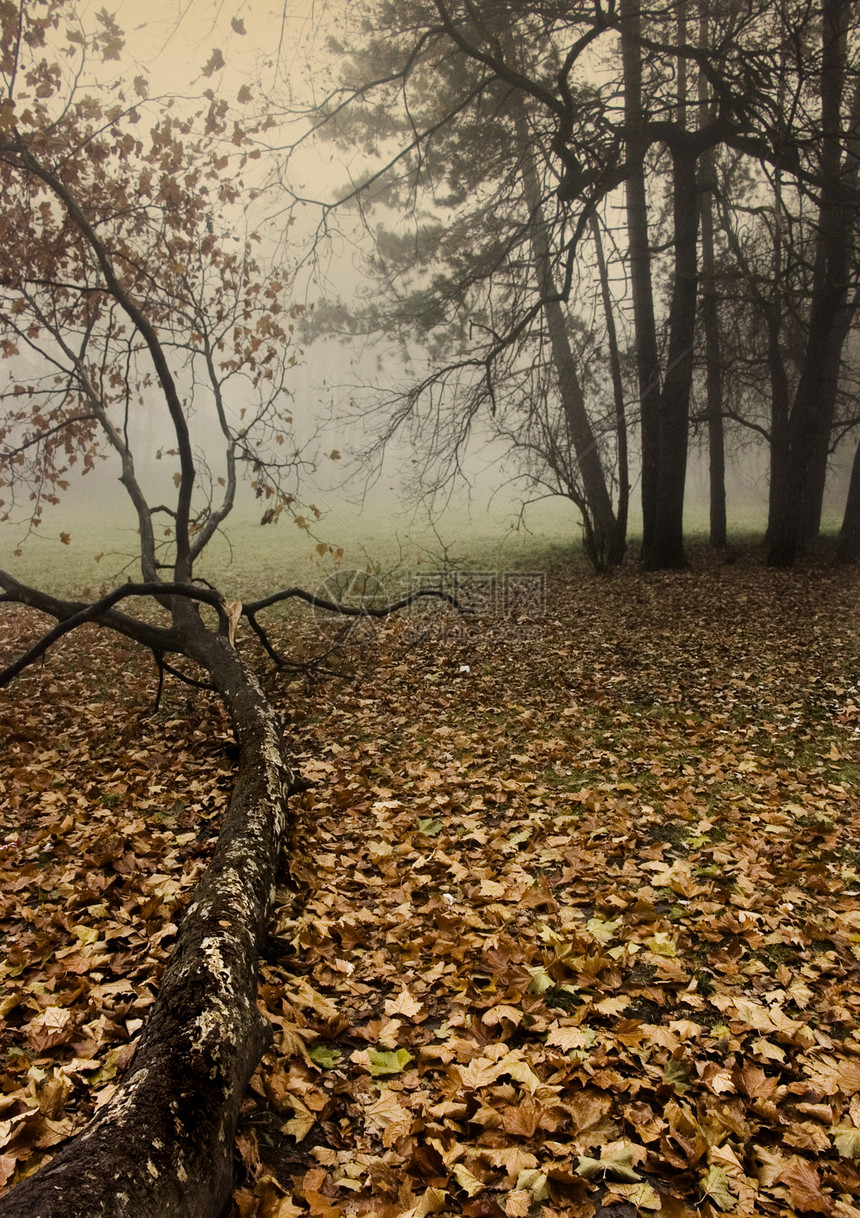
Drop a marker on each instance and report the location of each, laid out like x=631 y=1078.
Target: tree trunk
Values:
x=162 y=1147
x=780 y=405
x=718 y=530
x=819 y=453
x=849 y=178
x=619 y=541
x=827 y=320
x=718 y=533
x=647 y=359
x=820 y=426
x=580 y=433
x=576 y=421
x=816 y=391
x=666 y=547
x=848 y=549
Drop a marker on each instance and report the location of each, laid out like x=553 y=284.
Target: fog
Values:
x=359 y=504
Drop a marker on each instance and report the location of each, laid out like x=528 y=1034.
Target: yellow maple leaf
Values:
x=495 y=1015
x=404 y=1004
x=479 y=1073
x=285 y=1207
x=301 y=1122
x=387 y=1110
x=518 y=1203
x=642 y=1195
x=571 y=1038
x=291 y=1042
x=716 y=1189
x=514 y=1159
x=686 y=1029
x=520 y=1072
x=470 y=1184
x=846 y=1139
x=536 y=1183
x=612 y=1006
x=432 y=1201
x=662 y=944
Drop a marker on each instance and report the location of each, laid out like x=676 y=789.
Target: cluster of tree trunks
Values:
x=697 y=147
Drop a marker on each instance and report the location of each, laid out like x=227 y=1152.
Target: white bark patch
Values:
x=235 y=886
x=211 y=951
x=215 y=1025
x=122 y=1103
x=233 y=609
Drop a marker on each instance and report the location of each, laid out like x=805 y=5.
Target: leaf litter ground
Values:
x=570 y=922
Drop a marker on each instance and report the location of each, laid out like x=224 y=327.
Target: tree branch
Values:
x=150 y=337
x=319 y=602
x=5 y=454
x=250 y=612
x=71 y=615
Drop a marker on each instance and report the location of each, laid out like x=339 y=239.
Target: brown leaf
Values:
x=804 y=1135
x=214 y=64
x=587 y=1108
x=513 y=1159
x=753 y=1081
x=523 y=1120
x=404 y=1004
x=805 y=1187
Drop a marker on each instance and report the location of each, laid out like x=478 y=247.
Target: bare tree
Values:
x=801 y=481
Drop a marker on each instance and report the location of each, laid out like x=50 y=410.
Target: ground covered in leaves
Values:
x=570 y=922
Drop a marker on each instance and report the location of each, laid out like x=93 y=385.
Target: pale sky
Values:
x=173 y=39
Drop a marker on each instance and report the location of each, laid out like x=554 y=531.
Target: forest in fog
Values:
x=612 y=233
x=513 y=892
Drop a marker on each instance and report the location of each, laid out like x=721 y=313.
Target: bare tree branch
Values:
x=72 y=615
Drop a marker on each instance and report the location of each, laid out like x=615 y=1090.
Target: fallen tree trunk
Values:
x=162 y=1147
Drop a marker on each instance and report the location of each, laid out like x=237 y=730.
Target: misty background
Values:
x=369 y=510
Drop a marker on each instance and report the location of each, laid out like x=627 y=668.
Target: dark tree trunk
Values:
x=843 y=244
x=848 y=549
x=819 y=452
x=816 y=473
x=779 y=414
x=579 y=430
x=666 y=546
x=162 y=1147
x=816 y=389
x=647 y=359
x=718 y=523
x=577 y=425
x=798 y=493
x=825 y=406
x=619 y=540
x=718 y=535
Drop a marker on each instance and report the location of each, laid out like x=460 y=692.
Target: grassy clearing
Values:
x=383 y=536
x=249 y=560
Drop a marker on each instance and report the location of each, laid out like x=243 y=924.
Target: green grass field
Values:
x=383 y=536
